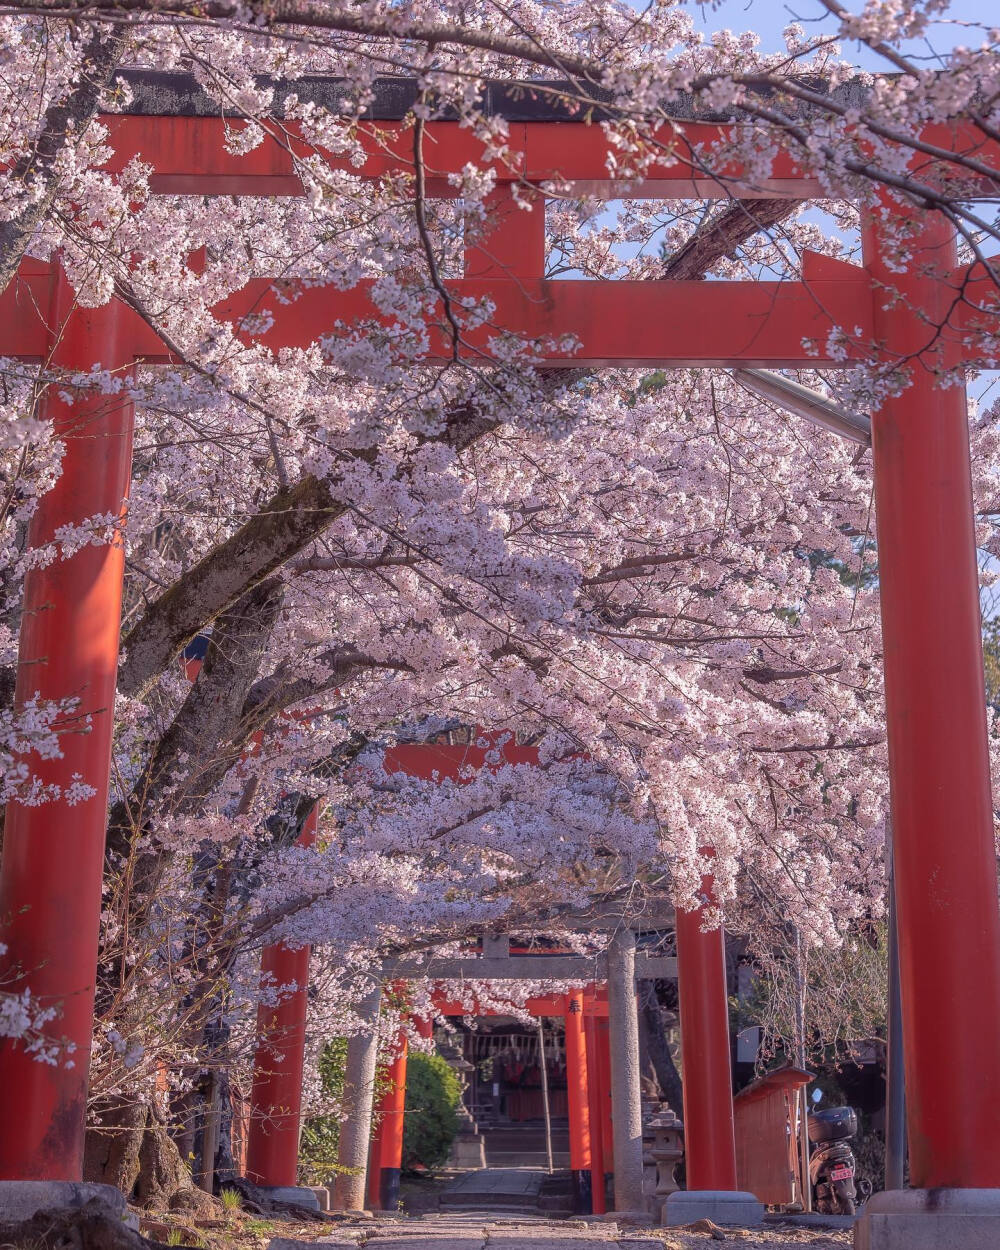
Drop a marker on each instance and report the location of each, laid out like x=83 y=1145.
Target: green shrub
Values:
x=433 y=1096
x=320 y=1138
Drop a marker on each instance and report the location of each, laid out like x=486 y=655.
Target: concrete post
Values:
x=359 y=1097
x=626 y=1109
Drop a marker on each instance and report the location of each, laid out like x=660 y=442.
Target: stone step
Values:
x=487 y=1203
x=525 y=1158
x=445 y=1233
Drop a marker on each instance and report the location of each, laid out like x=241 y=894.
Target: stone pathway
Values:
x=484 y=1231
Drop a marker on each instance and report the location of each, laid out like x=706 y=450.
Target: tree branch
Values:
x=38 y=169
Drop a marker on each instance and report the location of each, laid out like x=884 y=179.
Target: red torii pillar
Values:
x=578 y=1101
x=709 y=1129
x=604 y=1123
x=53 y=857
x=709 y=1132
x=276 y=1097
x=387 y=1144
x=594 y=1110
x=943 y=841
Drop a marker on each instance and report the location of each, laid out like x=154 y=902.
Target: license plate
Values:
x=840 y=1174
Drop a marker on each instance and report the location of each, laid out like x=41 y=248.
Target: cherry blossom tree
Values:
x=664 y=582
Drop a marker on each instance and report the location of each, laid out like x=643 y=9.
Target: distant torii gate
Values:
x=580 y=1010
x=591 y=1088
x=944 y=854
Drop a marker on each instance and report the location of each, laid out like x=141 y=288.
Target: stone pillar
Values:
x=359 y=1096
x=626 y=1107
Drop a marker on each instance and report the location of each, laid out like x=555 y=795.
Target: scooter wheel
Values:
x=825 y=1203
x=844 y=1198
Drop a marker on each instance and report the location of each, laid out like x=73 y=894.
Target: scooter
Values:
x=832 y=1166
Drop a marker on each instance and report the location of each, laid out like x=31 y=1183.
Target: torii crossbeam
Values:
x=50 y=885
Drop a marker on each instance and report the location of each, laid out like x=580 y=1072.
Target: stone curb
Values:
x=20 y=1200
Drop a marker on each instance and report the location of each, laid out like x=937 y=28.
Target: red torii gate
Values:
x=946 y=885
x=275 y=1104
x=588 y=1076
x=439 y=761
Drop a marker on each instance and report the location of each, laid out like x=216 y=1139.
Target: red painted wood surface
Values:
x=53 y=853
x=433 y=761
x=188 y=156
x=943 y=831
x=386 y=1151
x=621 y=323
x=946 y=864
x=276 y=1097
x=767 y=1146
x=577 y=1094
x=709 y=1135
x=598 y=1163
x=603 y=1036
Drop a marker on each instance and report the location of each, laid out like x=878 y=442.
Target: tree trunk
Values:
x=165 y=1180
x=113 y=1144
x=129 y=1147
x=655 y=1045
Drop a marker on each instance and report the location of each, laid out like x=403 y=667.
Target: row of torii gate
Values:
x=601 y=1030
x=927 y=317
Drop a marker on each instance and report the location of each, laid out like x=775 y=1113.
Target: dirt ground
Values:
x=760 y=1239
x=238 y=1230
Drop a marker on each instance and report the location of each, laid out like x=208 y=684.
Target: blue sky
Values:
x=961 y=25
x=769 y=17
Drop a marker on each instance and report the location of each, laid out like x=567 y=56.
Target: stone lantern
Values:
x=468 y=1150
x=667 y=1152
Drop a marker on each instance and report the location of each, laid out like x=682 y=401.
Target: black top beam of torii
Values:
x=167 y=93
